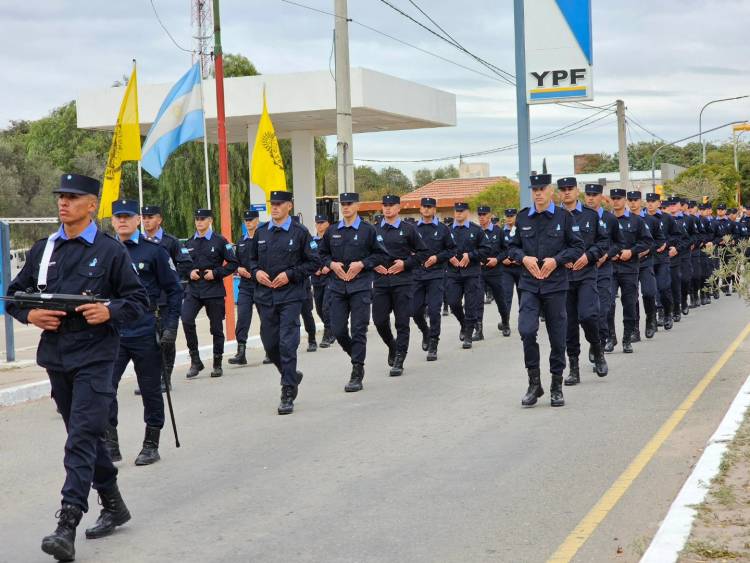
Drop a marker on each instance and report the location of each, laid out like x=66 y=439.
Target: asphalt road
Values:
x=441 y=464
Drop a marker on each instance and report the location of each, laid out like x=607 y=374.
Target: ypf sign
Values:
x=559 y=57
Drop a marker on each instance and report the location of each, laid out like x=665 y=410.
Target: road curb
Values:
x=675 y=529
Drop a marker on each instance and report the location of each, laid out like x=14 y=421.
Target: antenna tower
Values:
x=202 y=23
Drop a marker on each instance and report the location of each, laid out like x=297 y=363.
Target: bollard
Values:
x=10 y=347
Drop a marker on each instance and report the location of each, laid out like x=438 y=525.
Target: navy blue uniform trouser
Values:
x=469 y=289
x=191 y=305
x=686 y=265
x=428 y=296
x=627 y=282
x=697 y=263
x=604 y=289
x=675 y=273
x=357 y=306
x=245 y=299
x=664 y=284
x=554 y=307
x=647 y=281
x=168 y=350
x=582 y=308
x=279 y=332
x=146 y=356
x=494 y=283
x=396 y=299
x=510 y=278
x=83 y=397
x=706 y=269
x=307 y=314
x=322 y=306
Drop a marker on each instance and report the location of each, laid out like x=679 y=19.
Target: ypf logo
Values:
x=559 y=83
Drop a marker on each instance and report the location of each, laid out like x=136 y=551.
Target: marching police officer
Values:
x=646 y=274
x=319 y=281
x=79 y=350
x=492 y=273
x=609 y=225
x=429 y=277
x=213 y=260
x=582 y=303
x=138 y=339
x=153 y=231
x=282 y=257
x=707 y=267
x=677 y=237
x=637 y=240
x=511 y=271
x=246 y=290
x=544 y=242
x=308 y=321
x=463 y=278
x=662 y=228
x=723 y=229
x=392 y=288
x=351 y=251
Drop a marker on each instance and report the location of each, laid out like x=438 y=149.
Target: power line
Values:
x=637 y=124
x=555 y=134
x=161 y=23
x=391 y=37
x=504 y=75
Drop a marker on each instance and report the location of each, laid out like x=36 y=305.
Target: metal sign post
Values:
x=10 y=345
x=522 y=107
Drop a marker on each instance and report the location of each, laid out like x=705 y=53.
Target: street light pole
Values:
x=665 y=145
x=700 y=122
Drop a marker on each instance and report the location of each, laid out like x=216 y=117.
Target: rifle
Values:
x=51 y=301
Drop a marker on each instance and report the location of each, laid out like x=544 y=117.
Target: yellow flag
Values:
x=126 y=145
x=267 y=165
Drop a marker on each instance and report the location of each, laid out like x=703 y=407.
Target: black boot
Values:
x=600 y=365
x=636 y=335
x=239 y=358
x=609 y=345
x=137 y=391
x=535 y=389
x=217 y=371
x=312 y=344
x=592 y=354
x=114 y=513
x=676 y=317
x=446 y=311
x=60 y=544
x=391 y=353
x=555 y=392
x=627 y=348
x=660 y=316
x=150 y=451
x=425 y=340
x=466 y=337
x=478 y=332
x=693 y=301
x=112 y=443
x=432 y=350
x=504 y=328
x=288 y=393
x=196 y=365
x=398 y=366
x=574 y=377
x=325 y=342
x=650 y=327
x=668 y=319
x=685 y=308
x=355 y=381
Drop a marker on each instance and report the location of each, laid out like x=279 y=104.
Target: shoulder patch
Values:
x=379 y=238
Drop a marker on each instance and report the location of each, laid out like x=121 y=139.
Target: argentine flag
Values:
x=180 y=119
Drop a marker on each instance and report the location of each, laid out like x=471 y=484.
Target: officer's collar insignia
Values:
x=212 y=249
x=587 y=224
x=291 y=242
x=471 y=235
x=602 y=223
x=93 y=263
x=558 y=227
x=401 y=233
x=355 y=237
x=141 y=265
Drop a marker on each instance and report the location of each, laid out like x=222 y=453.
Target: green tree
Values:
x=424 y=176
x=715 y=180
x=499 y=196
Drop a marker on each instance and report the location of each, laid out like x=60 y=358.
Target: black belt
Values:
x=72 y=323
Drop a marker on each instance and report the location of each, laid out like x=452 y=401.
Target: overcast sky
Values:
x=665 y=58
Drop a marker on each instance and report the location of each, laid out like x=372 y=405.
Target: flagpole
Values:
x=205 y=148
x=140 y=195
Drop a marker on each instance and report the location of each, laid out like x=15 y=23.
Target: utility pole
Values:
x=224 y=206
x=522 y=107
x=622 y=144
x=344 y=149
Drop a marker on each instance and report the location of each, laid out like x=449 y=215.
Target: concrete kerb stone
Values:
x=675 y=529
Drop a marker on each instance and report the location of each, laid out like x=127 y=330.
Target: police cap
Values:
x=279 y=196
x=151 y=210
x=460 y=206
x=203 y=213
x=652 y=196
x=540 y=180
x=349 y=197
x=391 y=199
x=692 y=203
x=124 y=207
x=484 y=209
x=428 y=202
x=594 y=189
x=615 y=193
x=569 y=182
x=721 y=206
x=635 y=195
x=77 y=184
x=511 y=212
x=250 y=214
x=321 y=219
